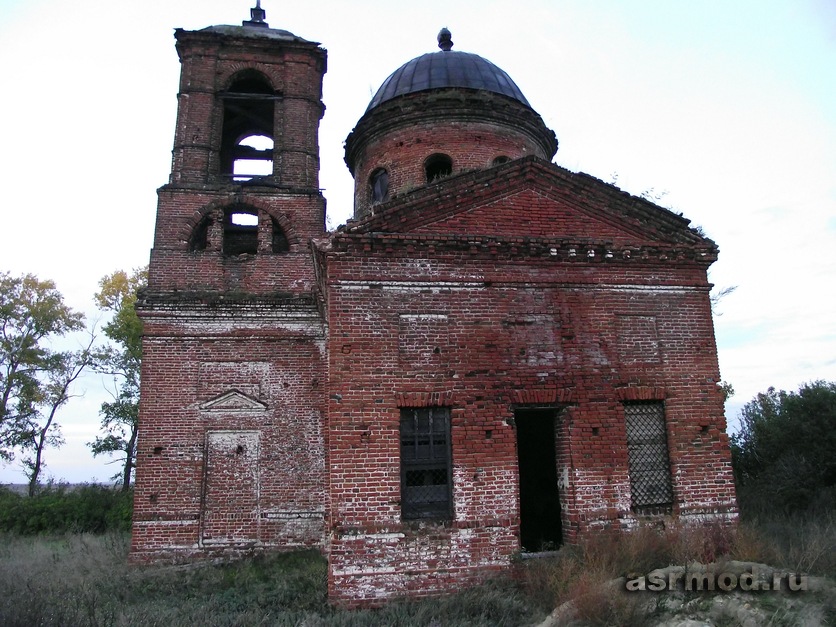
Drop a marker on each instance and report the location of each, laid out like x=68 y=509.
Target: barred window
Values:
x=647 y=445
x=425 y=463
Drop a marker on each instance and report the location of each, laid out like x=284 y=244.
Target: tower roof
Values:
x=256 y=28
x=447 y=68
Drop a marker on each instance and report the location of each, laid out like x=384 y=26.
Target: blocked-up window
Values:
x=424 y=341
x=426 y=481
x=647 y=445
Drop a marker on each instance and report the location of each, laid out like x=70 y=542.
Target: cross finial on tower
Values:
x=257 y=15
x=445 y=40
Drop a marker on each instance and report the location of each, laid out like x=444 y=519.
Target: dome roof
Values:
x=448 y=68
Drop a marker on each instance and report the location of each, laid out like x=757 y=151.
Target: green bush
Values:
x=89 y=508
x=784 y=455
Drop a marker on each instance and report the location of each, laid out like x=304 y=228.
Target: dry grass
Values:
x=584 y=574
x=795 y=543
x=83 y=580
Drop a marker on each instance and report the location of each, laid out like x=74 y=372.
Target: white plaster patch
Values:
x=563 y=480
x=273 y=514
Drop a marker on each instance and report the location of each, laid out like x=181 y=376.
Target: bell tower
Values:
x=243 y=196
x=231 y=453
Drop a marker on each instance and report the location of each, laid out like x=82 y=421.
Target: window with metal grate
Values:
x=647 y=445
x=425 y=463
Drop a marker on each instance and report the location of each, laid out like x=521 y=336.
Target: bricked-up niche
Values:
x=497 y=356
x=534 y=339
x=638 y=339
x=423 y=341
x=230 y=491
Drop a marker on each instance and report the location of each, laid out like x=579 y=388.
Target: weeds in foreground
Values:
x=84 y=580
x=798 y=543
x=587 y=573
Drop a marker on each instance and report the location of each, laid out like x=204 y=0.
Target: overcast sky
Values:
x=726 y=110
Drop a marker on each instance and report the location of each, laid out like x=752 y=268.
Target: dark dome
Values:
x=448 y=68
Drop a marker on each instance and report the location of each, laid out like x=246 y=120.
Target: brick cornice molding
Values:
x=446 y=105
x=558 y=249
x=585 y=193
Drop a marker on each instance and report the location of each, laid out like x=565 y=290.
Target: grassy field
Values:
x=82 y=580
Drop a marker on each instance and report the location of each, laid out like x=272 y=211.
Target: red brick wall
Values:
x=197 y=493
x=174 y=267
x=531 y=213
x=510 y=332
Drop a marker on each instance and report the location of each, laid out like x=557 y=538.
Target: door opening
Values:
x=540 y=525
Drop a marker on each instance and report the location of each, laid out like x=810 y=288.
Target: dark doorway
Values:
x=540 y=528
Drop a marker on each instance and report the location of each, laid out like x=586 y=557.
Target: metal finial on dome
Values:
x=445 y=40
x=257 y=15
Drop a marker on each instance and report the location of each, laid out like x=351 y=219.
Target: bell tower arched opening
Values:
x=247 y=135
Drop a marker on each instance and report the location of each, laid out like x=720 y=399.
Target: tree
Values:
x=784 y=455
x=34 y=379
x=117 y=295
x=42 y=430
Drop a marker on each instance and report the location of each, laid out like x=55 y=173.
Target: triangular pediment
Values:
x=233 y=401
x=530 y=198
x=528 y=212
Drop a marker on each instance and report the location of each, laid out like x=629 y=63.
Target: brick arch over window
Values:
x=260 y=71
x=195 y=233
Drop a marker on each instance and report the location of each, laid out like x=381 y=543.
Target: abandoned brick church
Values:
x=495 y=356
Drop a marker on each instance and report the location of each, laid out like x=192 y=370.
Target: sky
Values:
x=724 y=111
